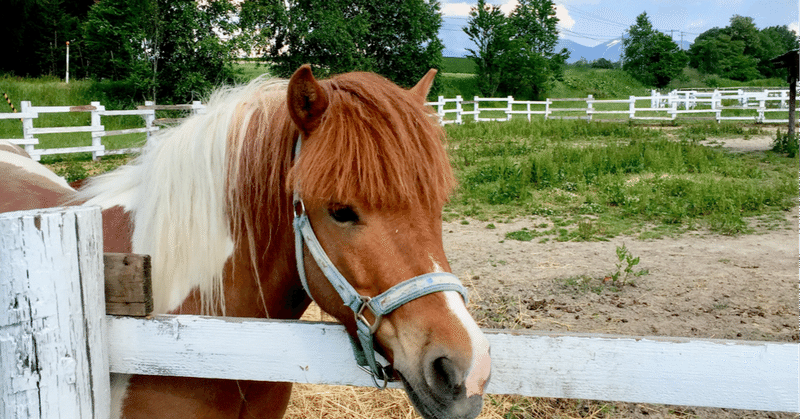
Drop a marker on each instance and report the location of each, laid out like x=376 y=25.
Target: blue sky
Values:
x=591 y=22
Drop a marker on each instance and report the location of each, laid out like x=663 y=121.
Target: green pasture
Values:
x=593 y=181
x=586 y=180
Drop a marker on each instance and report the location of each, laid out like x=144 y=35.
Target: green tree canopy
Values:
x=515 y=54
x=165 y=50
x=650 y=56
x=35 y=33
x=740 y=51
x=395 y=38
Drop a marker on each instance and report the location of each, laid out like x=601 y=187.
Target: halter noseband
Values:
x=380 y=305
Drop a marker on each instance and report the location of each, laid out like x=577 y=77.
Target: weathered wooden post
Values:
x=53 y=360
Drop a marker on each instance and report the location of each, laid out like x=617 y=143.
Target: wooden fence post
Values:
x=97 y=130
x=459 y=121
x=27 y=126
x=53 y=360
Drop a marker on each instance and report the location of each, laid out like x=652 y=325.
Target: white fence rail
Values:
x=766 y=107
x=43 y=369
x=769 y=106
x=29 y=113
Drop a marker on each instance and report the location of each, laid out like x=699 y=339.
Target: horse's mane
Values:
x=226 y=175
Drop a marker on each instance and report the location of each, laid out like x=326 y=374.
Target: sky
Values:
x=592 y=22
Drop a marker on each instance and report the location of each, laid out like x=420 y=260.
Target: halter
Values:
x=381 y=305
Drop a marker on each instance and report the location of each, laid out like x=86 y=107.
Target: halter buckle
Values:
x=360 y=315
x=299 y=208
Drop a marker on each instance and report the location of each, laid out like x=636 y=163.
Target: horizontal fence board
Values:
x=118 y=151
x=46 y=151
x=127 y=131
x=64 y=130
x=17 y=115
x=22 y=141
x=732 y=374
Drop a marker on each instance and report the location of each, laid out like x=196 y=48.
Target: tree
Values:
x=651 y=57
x=395 y=38
x=488 y=29
x=160 y=49
x=515 y=53
x=34 y=36
x=740 y=51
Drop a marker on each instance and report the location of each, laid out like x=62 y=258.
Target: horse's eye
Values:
x=343 y=214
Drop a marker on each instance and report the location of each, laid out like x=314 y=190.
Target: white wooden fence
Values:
x=766 y=107
x=720 y=105
x=29 y=113
x=57 y=347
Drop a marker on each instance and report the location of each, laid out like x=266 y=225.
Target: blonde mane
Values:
x=223 y=179
x=175 y=193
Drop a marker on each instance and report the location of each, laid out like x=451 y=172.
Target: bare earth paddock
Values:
x=698 y=285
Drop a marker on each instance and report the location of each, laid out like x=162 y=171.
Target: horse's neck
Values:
x=268 y=289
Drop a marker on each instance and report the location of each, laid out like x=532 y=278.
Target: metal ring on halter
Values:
x=386 y=376
x=360 y=315
x=299 y=208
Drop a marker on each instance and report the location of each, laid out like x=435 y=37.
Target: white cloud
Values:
x=564 y=19
x=509 y=6
x=462 y=9
x=795 y=26
x=456 y=9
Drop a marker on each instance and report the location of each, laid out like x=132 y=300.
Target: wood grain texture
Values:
x=52 y=326
x=128 y=284
x=714 y=373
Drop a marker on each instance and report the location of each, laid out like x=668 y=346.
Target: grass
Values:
x=599 y=180
x=458 y=65
x=592 y=180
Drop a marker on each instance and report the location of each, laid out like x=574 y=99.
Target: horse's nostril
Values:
x=446 y=375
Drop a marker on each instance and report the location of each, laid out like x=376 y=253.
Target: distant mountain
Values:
x=611 y=50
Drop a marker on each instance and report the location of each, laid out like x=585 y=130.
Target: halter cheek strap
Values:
x=380 y=305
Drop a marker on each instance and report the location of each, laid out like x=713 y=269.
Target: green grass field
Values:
x=591 y=180
x=595 y=181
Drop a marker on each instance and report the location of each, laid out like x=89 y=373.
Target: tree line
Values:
x=739 y=51
x=178 y=50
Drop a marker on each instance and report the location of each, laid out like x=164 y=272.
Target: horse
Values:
x=280 y=193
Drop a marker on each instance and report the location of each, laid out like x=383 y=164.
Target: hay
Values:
x=314 y=401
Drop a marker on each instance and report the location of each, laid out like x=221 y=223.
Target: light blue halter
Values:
x=380 y=305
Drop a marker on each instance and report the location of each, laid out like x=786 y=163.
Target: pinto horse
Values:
x=283 y=192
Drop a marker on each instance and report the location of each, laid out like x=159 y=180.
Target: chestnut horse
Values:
x=225 y=204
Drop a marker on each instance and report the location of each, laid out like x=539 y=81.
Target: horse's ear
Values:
x=424 y=85
x=306 y=100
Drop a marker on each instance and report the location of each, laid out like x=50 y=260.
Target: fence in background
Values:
x=57 y=347
x=765 y=107
x=28 y=113
x=769 y=106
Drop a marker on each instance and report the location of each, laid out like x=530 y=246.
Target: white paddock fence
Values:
x=57 y=347
x=29 y=113
x=766 y=107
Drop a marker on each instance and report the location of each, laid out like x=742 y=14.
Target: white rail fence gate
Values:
x=57 y=346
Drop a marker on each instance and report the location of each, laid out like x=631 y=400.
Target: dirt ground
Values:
x=697 y=285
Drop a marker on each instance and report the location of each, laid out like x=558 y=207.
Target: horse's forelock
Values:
x=377 y=146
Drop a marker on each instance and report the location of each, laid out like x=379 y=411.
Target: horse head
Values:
x=370 y=180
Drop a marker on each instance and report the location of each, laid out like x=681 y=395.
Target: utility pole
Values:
x=67 y=62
